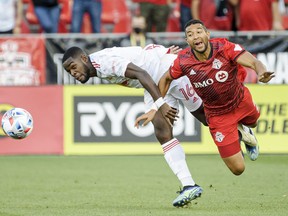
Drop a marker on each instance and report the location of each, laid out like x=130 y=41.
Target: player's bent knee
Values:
x=238 y=170
x=233 y=158
x=235 y=164
x=163 y=136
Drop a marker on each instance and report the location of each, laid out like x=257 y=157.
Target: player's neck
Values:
x=207 y=54
x=92 y=70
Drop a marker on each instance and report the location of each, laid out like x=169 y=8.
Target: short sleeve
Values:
x=232 y=50
x=157 y=49
x=108 y=64
x=175 y=69
x=118 y=65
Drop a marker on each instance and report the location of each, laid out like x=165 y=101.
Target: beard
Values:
x=85 y=75
x=84 y=81
x=201 y=51
x=86 y=78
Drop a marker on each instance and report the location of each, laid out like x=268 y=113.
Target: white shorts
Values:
x=180 y=90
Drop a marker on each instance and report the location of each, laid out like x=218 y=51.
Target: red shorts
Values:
x=223 y=128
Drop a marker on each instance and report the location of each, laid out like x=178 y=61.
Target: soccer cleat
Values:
x=186 y=195
x=247 y=135
x=252 y=152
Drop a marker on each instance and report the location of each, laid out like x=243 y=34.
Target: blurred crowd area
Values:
x=46 y=28
x=116 y=16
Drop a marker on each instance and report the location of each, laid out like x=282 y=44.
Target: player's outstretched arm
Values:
x=163 y=86
x=248 y=60
x=135 y=72
x=164 y=83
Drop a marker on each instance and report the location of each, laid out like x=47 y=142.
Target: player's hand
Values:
x=147 y=117
x=174 y=49
x=266 y=76
x=169 y=113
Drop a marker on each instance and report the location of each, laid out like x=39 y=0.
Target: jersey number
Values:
x=187 y=92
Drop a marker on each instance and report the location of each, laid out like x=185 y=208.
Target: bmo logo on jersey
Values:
x=220 y=76
x=203 y=84
x=111 y=119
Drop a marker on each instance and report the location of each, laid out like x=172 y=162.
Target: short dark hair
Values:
x=73 y=52
x=193 y=22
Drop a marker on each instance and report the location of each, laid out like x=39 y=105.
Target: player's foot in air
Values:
x=252 y=152
x=186 y=195
x=247 y=135
x=250 y=141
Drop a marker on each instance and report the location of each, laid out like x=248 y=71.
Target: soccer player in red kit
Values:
x=212 y=65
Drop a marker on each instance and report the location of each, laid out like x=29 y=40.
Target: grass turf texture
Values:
x=138 y=186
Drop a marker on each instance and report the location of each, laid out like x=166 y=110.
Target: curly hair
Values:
x=73 y=52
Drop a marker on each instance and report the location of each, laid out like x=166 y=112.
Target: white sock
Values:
x=175 y=157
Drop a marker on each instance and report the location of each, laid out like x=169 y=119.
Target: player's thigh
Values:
x=235 y=163
x=162 y=130
x=160 y=123
x=224 y=132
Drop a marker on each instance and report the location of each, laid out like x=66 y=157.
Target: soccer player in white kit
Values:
x=129 y=66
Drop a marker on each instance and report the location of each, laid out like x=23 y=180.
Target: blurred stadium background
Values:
x=32 y=77
x=67 y=130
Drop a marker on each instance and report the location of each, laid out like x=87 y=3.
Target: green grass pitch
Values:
x=138 y=186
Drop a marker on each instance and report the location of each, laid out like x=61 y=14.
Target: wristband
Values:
x=159 y=102
x=154 y=107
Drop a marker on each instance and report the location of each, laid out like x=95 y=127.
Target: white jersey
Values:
x=111 y=63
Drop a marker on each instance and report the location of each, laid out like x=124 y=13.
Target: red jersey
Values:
x=215 y=80
x=208 y=14
x=156 y=2
x=255 y=15
x=186 y=3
